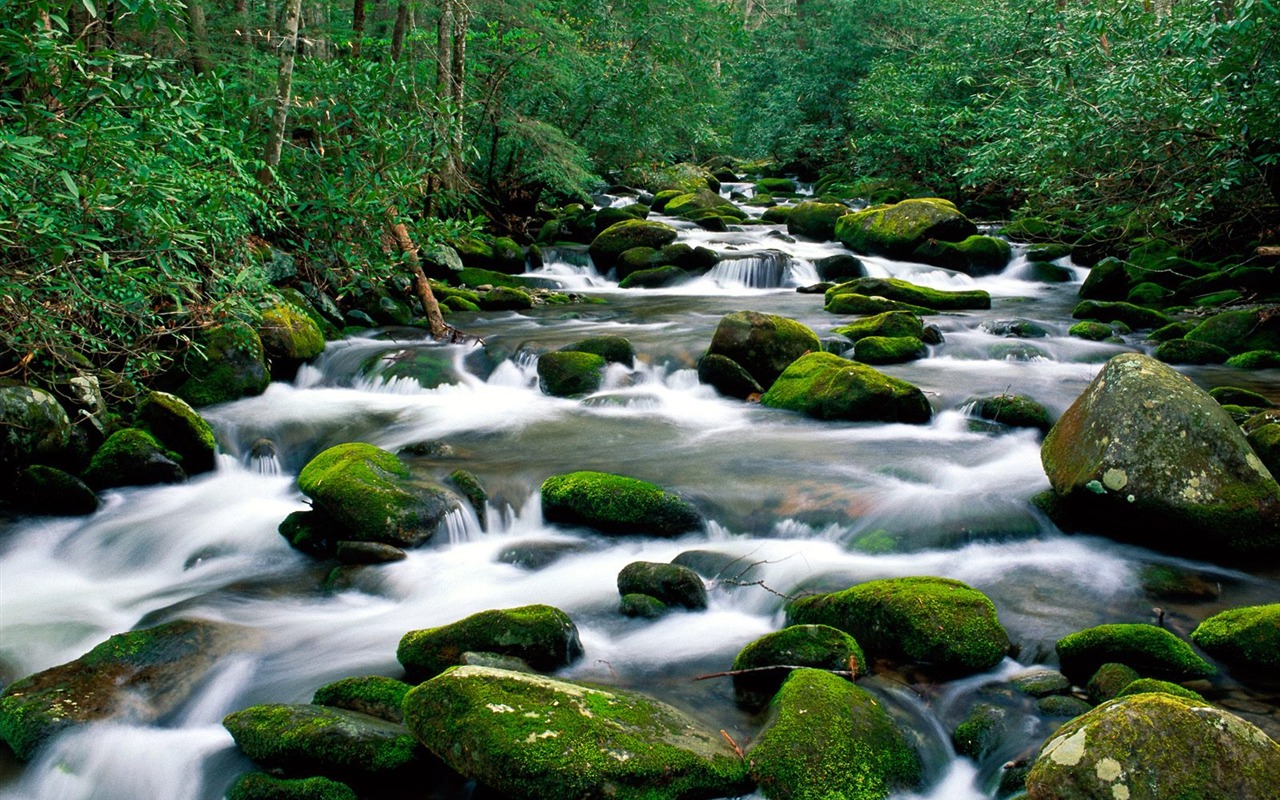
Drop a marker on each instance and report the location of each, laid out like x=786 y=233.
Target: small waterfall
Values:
x=764 y=270
x=462 y=525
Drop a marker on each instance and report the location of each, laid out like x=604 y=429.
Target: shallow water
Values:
x=788 y=497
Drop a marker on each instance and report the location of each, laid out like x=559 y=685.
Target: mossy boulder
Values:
x=1245 y=638
x=775 y=186
x=641 y=606
x=321 y=740
x=1013 y=410
x=654 y=278
x=889 y=349
x=924 y=620
x=227 y=363
x=860 y=304
x=375 y=695
x=681 y=178
x=1146 y=455
x=1092 y=331
x=33 y=426
x=261 y=786
x=905 y=292
x=38 y=489
x=1145 y=685
x=703 y=202
x=1153 y=747
x=613 y=241
x=289 y=337
x=132 y=457
x=827 y=738
x=660 y=199
x=570 y=374
x=762 y=344
x=181 y=428
x=531 y=736
x=981 y=732
x=827 y=386
x=369 y=493
x=1149 y=295
x=540 y=635
x=1188 y=351
x=890 y=323
x=840 y=267
x=778 y=215
x=815 y=646
x=975 y=255
x=1134 y=316
x=1153 y=652
x=1174 y=330
x=505 y=298
x=134 y=677
x=727 y=376
x=1235 y=396
x=1109 y=681
x=815 y=220
x=1255 y=359
x=1240 y=331
x=673 y=584
x=898 y=230
x=616 y=504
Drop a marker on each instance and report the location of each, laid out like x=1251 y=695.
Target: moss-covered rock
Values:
x=776 y=186
x=727 y=376
x=861 y=304
x=1149 y=295
x=1255 y=359
x=762 y=344
x=616 y=504
x=570 y=374
x=827 y=386
x=1174 y=330
x=135 y=677
x=905 y=292
x=181 y=428
x=924 y=620
x=975 y=255
x=1152 y=747
x=228 y=363
x=132 y=457
x=369 y=493
x=660 y=199
x=889 y=349
x=540 y=635
x=1240 y=331
x=613 y=241
x=1146 y=455
x=815 y=220
x=374 y=695
x=840 y=267
x=816 y=646
x=641 y=605
x=32 y=426
x=778 y=215
x=827 y=738
x=681 y=178
x=1235 y=396
x=981 y=731
x=1131 y=315
x=505 y=298
x=890 y=323
x=320 y=740
x=37 y=489
x=531 y=736
x=1091 y=331
x=289 y=337
x=1245 y=638
x=1041 y=683
x=1188 y=351
x=1062 y=706
x=1107 y=280
x=1153 y=652
x=654 y=278
x=897 y=230
x=696 y=205
x=1109 y=681
x=1145 y=685
x=672 y=584
x=261 y=786
x=1013 y=410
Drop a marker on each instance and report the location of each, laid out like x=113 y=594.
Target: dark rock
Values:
x=131 y=457
x=1153 y=652
x=671 y=584
x=762 y=344
x=542 y=636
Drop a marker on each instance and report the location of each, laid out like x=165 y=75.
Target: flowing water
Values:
x=795 y=504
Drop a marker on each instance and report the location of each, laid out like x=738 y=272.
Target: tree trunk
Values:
x=435 y=320
x=201 y=63
x=284 y=89
x=357 y=29
x=400 y=31
x=457 y=73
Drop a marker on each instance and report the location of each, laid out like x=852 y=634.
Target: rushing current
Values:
x=788 y=497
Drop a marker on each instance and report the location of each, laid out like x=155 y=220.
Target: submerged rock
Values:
x=1147 y=456
x=897 y=230
x=542 y=636
x=827 y=386
x=1248 y=638
x=1153 y=652
x=1154 y=747
x=616 y=504
x=762 y=344
x=827 y=738
x=531 y=736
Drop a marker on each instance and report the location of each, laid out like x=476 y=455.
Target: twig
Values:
x=732 y=743
x=851 y=673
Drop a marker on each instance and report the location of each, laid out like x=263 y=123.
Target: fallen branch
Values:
x=850 y=673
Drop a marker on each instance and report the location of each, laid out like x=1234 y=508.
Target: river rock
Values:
x=897 y=230
x=1145 y=685
x=641 y=606
x=542 y=636
x=981 y=732
x=827 y=386
x=924 y=620
x=975 y=255
x=368 y=492
x=697 y=204
x=827 y=738
x=131 y=457
x=727 y=376
x=762 y=344
x=1147 y=456
x=1189 y=351
x=1155 y=747
x=505 y=298
x=611 y=347
x=815 y=220
x=1109 y=681
x=879 y=350
x=616 y=504
x=181 y=428
x=227 y=364
x=375 y=695
x=905 y=292
x=1012 y=410
x=1247 y=638
x=815 y=646
x=531 y=736
x=261 y=786
x=1151 y=651
x=37 y=489
x=1240 y=331
x=672 y=584
x=32 y=426
x=861 y=304
x=890 y=323
x=840 y=267
x=289 y=338
x=1133 y=316
x=570 y=374
x=134 y=677
x=654 y=278
x=1107 y=280
x=610 y=244
x=320 y=740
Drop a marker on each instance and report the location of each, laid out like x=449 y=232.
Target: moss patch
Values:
x=132 y=457
x=570 y=374
x=261 y=786
x=616 y=504
x=905 y=292
x=1248 y=638
x=816 y=646
x=890 y=323
x=827 y=386
x=897 y=230
x=181 y=428
x=1152 y=651
x=374 y=695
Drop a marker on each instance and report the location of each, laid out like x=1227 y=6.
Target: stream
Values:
x=789 y=500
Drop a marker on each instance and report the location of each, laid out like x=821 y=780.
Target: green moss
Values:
x=181 y=428
x=1013 y=410
x=815 y=220
x=703 y=202
x=1165 y=582
x=1174 y=330
x=1062 y=706
x=826 y=738
x=1131 y=315
x=897 y=230
x=505 y=298
x=905 y=292
x=320 y=740
x=472 y=490
x=1239 y=331
x=1149 y=295
x=374 y=695
x=1233 y=395
x=570 y=374
x=1144 y=685
x=890 y=323
x=981 y=732
x=827 y=386
x=612 y=242
x=778 y=215
x=1091 y=331
x=261 y=786
x=542 y=636
x=611 y=347
x=660 y=199
x=854 y=303
x=923 y=619
x=1255 y=359
x=1247 y=638
x=641 y=605
x=654 y=278
x=289 y=334
x=472 y=276
x=975 y=255
x=616 y=504
x=1186 y=351
x=776 y=186
x=1152 y=651
x=816 y=646
x=131 y=457
x=673 y=584
x=889 y=349
x=228 y=364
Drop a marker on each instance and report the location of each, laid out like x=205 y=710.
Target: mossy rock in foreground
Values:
x=826 y=386
x=1248 y=638
x=375 y=695
x=1153 y=652
x=530 y=736
x=570 y=374
x=1155 y=746
x=827 y=738
x=816 y=646
x=906 y=292
x=616 y=504
x=925 y=620
x=542 y=636
x=261 y=786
